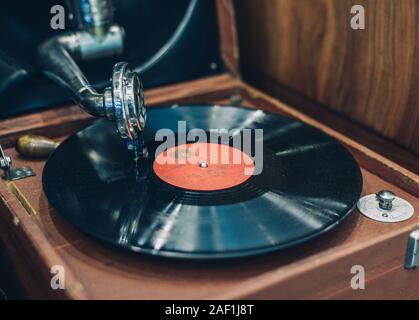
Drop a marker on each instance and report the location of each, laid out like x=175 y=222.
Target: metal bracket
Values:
x=412 y=255
x=384 y=206
x=19 y=173
x=13 y=174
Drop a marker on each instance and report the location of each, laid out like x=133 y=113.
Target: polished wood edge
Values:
x=214 y=87
x=27 y=233
x=369 y=159
x=228 y=35
x=51 y=123
x=271 y=285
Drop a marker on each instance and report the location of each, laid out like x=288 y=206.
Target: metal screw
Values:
x=385 y=199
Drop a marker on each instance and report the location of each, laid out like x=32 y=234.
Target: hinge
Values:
x=13 y=174
x=412 y=255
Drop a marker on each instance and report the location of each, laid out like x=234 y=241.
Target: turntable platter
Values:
x=308 y=184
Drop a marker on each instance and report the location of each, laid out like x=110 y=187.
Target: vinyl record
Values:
x=308 y=184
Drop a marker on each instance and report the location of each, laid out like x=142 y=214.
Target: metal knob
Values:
x=385 y=206
x=33 y=146
x=385 y=199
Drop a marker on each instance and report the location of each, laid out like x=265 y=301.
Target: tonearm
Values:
x=97 y=36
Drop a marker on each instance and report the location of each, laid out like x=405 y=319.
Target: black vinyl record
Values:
x=309 y=183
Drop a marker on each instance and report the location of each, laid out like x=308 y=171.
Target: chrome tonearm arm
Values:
x=123 y=101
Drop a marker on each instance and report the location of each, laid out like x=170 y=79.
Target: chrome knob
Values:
x=385 y=199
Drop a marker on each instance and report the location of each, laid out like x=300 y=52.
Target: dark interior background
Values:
x=148 y=25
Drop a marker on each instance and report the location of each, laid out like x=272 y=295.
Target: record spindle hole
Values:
x=203 y=165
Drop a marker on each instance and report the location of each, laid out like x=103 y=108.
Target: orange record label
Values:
x=203 y=166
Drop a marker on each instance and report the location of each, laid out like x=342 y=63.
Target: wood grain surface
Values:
x=228 y=35
x=370 y=76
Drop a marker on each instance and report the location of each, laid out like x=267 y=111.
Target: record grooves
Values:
x=308 y=184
